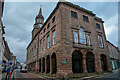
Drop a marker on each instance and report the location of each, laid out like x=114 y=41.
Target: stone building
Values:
x=114 y=55
x=71 y=40
x=1 y=36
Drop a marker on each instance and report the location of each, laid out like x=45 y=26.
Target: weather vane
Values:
x=41 y=6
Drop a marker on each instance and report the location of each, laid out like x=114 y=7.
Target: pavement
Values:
x=4 y=75
x=17 y=75
x=26 y=76
x=115 y=75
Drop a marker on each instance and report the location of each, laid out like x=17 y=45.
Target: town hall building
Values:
x=72 y=40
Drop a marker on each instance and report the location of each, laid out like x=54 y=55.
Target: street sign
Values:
x=10 y=63
x=64 y=61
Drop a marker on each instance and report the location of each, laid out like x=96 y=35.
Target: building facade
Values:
x=72 y=40
x=1 y=35
x=114 y=56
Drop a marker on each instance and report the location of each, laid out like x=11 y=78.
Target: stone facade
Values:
x=114 y=55
x=63 y=57
x=1 y=36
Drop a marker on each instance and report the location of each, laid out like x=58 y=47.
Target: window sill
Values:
x=82 y=46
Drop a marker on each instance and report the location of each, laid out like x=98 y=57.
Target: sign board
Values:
x=10 y=63
x=64 y=61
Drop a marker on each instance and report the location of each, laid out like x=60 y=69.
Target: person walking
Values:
x=8 y=71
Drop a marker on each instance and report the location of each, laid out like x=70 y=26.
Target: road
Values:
x=30 y=76
x=112 y=76
x=27 y=76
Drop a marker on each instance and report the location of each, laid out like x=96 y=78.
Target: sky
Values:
x=19 y=18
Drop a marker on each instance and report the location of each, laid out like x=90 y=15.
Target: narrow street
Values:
x=26 y=76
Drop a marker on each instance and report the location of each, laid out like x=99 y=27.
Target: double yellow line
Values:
x=40 y=76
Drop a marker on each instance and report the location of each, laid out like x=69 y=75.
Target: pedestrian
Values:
x=8 y=71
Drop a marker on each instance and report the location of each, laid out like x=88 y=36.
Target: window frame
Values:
x=48 y=26
x=44 y=44
x=74 y=14
x=53 y=19
x=40 y=46
x=85 y=19
x=44 y=30
x=53 y=37
x=48 y=41
x=75 y=33
x=87 y=39
x=41 y=35
x=81 y=36
x=97 y=26
x=101 y=39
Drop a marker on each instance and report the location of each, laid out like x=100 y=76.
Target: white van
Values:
x=23 y=68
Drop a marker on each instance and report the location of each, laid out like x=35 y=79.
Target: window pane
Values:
x=82 y=36
x=85 y=18
x=44 y=30
x=48 y=26
x=43 y=44
x=41 y=35
x=100 y=41
x=53 y=20
x=88 y=39
x=98 y=25
x=54 y=37
x=40 y=46
x=75 y=37
x=48 y=42
x=73 y=14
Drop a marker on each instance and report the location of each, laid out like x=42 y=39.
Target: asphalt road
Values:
x=112 y=76
x=26 y=76
x=30 y=76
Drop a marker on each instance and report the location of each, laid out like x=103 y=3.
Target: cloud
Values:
x=111 y=29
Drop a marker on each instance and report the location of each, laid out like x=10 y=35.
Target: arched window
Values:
x=82 y=36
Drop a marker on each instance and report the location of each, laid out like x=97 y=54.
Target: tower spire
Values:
x=40 y=12
x=39 y=20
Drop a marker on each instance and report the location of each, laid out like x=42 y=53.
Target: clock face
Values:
x=40 y=25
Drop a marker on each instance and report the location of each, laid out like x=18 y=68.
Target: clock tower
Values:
x=39 y=20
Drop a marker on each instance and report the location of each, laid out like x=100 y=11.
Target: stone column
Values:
x=84 y=64
x=38 y=66
x=45 y=64
x=98 y=67
x=108 y=63
x=41 y=66
x=50 y=65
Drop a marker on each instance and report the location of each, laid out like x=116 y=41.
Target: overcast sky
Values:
x=19 y=18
